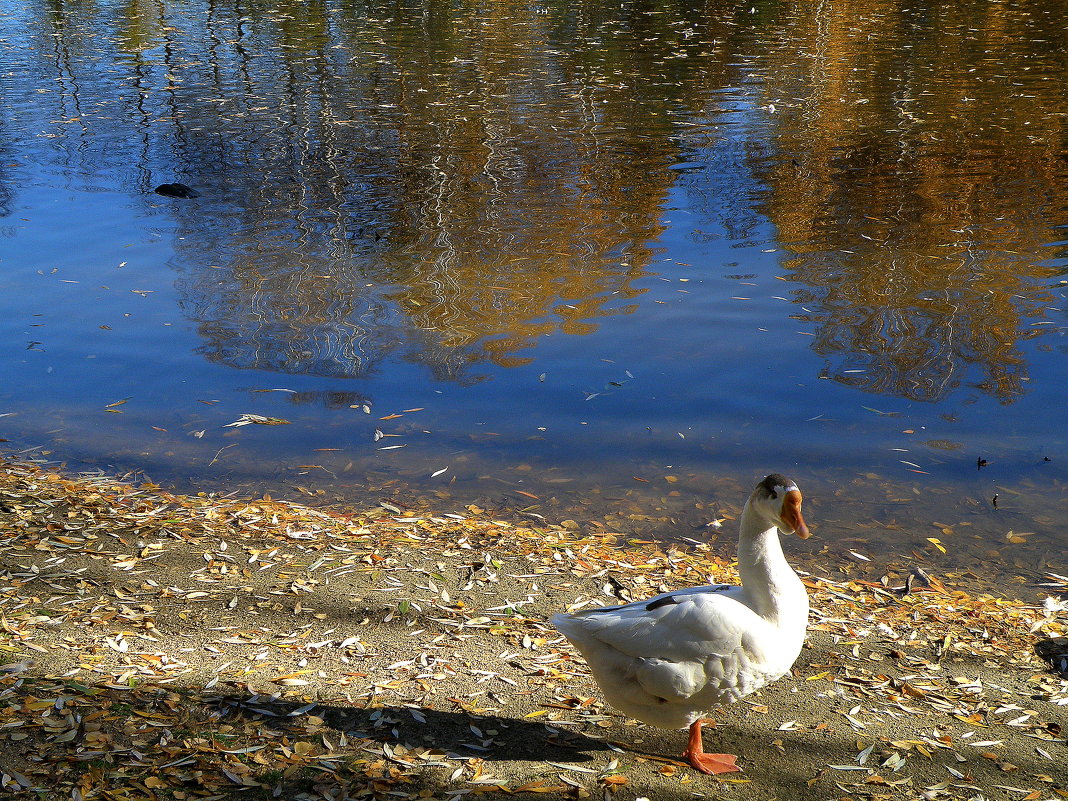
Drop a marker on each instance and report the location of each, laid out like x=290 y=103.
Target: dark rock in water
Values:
x=176 y=190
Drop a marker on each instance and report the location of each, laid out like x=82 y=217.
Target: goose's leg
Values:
x=707 y=763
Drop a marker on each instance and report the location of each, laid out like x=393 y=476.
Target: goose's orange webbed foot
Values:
x=712 y=764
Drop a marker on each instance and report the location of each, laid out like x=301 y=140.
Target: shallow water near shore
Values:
x=599 y=263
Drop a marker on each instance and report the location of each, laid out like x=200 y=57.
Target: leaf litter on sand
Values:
x=166 y=646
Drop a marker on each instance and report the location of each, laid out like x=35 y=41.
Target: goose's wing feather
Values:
x=680 y=626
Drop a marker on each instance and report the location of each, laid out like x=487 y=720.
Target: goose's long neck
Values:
x=772 y=587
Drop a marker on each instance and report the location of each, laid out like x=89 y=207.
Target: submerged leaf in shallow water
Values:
x=944 y=444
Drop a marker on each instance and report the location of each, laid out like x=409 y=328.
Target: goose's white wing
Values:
x=690 y=624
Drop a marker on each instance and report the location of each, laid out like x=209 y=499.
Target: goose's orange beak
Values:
x=791 y=514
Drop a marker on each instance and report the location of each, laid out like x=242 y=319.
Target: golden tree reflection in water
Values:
x=446 y=184
x=449 y=192
x=922 y=164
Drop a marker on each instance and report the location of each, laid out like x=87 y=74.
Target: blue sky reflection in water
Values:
x=623 y=258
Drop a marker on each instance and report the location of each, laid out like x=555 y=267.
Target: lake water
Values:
x=607 y=262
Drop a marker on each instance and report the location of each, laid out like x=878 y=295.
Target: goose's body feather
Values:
x=667 y=659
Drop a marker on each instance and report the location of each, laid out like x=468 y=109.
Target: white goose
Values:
x=667 y=659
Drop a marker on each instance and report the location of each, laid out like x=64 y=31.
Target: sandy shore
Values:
x=157 y=646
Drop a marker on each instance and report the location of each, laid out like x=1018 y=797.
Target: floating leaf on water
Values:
x=880 y=412
x=258 y=419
